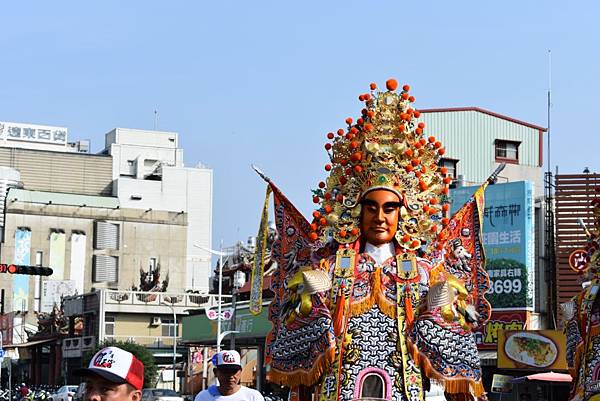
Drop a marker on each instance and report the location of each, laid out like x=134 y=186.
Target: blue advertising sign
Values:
x=509 y=242
x=21 y=281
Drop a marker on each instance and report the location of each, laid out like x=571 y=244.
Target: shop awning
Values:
x=198 y=329
x=29 y=344
x=544 y=377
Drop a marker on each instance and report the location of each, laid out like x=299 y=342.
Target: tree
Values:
x=142 y=353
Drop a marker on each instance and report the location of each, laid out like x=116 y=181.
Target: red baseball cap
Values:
x=116 y=365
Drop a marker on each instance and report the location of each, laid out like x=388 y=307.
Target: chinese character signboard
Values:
x=532 y=349
x=33 y=133
x=53 y=292
x=6 y=327
x=508 y=237
x=487 y=335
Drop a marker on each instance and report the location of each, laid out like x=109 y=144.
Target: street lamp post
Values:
x=239 y=279
x=220 y=254
x=174 y=342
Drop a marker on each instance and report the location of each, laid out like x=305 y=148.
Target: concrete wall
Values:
x=146 y=138
x=180 y=189
x=143 y=235
x=139 y=328
x=515 y=172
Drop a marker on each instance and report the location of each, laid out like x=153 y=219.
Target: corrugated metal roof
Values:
x=57 y=198
x=491 y=113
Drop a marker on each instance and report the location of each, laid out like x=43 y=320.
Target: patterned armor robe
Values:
x=369 y=342
x=582 y=330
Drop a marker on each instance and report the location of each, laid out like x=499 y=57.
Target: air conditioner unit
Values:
x=155 y=321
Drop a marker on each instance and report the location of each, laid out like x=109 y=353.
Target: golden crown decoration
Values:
x=384 y=149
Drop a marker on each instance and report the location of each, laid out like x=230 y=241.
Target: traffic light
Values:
x=30 y=270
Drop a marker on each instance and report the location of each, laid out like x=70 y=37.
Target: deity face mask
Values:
x=379 y=216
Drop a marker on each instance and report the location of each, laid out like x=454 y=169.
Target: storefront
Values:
x=529 y=366
x=199 y=333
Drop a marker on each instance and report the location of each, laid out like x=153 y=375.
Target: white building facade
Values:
x=149 y=173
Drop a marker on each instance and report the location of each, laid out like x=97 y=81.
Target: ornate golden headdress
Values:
x=384 y=149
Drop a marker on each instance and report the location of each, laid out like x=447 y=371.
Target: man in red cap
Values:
x=113 y=375
x=228 y=370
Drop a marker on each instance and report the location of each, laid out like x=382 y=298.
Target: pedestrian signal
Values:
x=30 y=270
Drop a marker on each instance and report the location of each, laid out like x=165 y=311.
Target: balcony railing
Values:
x=146 y=341
x=75 y=347
x=189 y=300
x=128 y=301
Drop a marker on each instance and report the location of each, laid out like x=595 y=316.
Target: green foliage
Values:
x=510 y=299
x=142 y=353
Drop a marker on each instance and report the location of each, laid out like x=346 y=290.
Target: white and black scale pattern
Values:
x=376 y=346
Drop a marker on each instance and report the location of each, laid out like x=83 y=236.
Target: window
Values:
x=373 y=386
x=167 y=327
x=109 y=325
x=152 y=265
x=105 y=269
x=450 y=164
x=507 y=151
x=106 y=235
x=130 y=170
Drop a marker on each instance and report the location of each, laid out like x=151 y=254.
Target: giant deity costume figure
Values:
x=378 y=295
x=582 y=327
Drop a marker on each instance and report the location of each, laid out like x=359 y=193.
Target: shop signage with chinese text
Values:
x=33 y=133
x=509 y=242
x=487 y=336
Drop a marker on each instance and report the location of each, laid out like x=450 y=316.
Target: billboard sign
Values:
x=532 y=349
x=509 y=242
x=33 y=133
x=53 y=292
x=21 y=281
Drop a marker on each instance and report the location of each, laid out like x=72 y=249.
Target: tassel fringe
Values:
x=451 y=386
x=303 y=377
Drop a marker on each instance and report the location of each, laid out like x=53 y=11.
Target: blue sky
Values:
x=263 y=82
